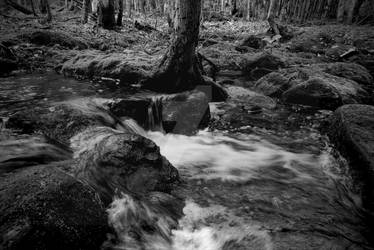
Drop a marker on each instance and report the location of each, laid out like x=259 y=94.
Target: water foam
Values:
x=198 y=229
x=210 y=155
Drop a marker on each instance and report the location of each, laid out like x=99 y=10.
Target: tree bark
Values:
x=120 y=13
x=33 y=7
x=106 y=14
x=270 y=17
x=85 y=10
x=179 y=69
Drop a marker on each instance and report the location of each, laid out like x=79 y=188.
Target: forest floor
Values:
x=219 y=41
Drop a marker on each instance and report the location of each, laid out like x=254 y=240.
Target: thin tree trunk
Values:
x=85 y=10
x=33 y=7
x=120 y=13
x=270 y=17
x=48 y=8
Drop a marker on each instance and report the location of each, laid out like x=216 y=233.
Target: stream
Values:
x=241 y=190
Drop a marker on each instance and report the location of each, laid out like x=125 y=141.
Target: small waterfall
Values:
x=154 y=119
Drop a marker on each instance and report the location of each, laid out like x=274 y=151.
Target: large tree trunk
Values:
x=179 y=69
x=106 y=16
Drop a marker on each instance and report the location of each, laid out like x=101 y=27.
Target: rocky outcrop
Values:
x=312 y=87
x=352 y=131
x=113 y=162
x=129 y=70
x=45 y=208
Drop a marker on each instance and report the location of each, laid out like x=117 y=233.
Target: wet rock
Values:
x=352 y=131
x=273 y=84
x=315 y=92
x=27 y=151
x=185 y=113
x=350 y=71
x=64 y=120
x=136 y=108
x=260 y=64
x=257 y=100
x=213 y=90
x=44 y=208
x=316 y=43
x=129 y=70
x=8 y=61
x=113 y=162
x=254 y=41
x=224 y=55
x=338 y=52
x=50 y=38
x=365 y=60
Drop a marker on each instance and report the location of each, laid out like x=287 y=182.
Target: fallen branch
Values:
x=19 y=7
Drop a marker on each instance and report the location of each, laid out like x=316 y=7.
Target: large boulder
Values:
x=129 y=70
x=316 y=92
x=350 y=71
x=112 y=162
x=44 y=208
x=257 y=65
x=352 y=131
x=308 y=86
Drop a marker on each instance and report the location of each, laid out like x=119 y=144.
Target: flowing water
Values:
x=241 y=190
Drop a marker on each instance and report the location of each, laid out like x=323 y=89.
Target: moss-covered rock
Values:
x=44 y=208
